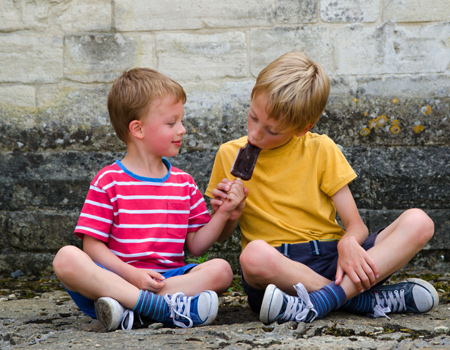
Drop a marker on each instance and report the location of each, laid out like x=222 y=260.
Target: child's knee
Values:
x=65 y=260
x=423 y=224
x=222 y=273
x=258 y=258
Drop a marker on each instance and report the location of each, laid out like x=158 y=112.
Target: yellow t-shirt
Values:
x=289 y=194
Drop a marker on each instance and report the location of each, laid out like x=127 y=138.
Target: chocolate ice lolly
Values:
x=245 y=162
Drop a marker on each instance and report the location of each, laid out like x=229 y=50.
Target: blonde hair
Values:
x=297 y=89
x=133 y=92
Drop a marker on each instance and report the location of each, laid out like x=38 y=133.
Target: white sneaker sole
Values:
x=214 y=302
x=109 y=313
x=433 y=293
x=267 y=303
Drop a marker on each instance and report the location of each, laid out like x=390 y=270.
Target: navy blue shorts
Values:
x=87 y=305
x=320 y=256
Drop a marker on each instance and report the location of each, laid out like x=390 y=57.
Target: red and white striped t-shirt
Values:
x=143 y=221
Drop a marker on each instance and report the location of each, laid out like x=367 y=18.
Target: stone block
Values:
x=40 y=231
x=197 y=57
x=345 y=11
x=68 y=116
x=416 y=49
x=85 y=15
x=31 y=58
x=68 y=16
x=21 y=96
x=358 y=50
x=49 y=179
x=269 y=44
x=103 y=57
x=295 y=12
x=416 y=10
x=405 y=177
x=143 y=15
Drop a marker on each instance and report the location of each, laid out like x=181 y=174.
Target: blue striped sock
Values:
x=361 y=304
x=328 y=298
x=151 y=305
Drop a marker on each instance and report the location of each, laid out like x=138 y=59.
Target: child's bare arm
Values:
x=224 y=218
x=353 y=259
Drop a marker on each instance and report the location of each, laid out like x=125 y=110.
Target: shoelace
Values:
x=298 y=307
x=389 y=302
x=179 y=306
x=128 y=319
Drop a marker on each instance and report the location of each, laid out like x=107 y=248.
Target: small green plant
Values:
x=199 y=260
x=236 y=286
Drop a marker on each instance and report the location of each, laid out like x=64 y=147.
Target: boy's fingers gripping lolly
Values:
x=245 y=161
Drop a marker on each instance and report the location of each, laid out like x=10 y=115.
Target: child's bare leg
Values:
x=215 y=274
x=396 y=245
x=262 y=265
x=78 y=273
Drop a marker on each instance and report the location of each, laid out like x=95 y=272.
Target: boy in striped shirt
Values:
x=138 y=215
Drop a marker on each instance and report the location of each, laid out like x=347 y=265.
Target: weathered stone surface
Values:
x=297 y=11
x=75 y=15
x=269 y=44
x=392 y=49
x=197 y=57
x=143 y=15
x=416 y=10
x=23 y=59
x=349 y=10
x=388 y=109
x=19 y=96
x=103 y=57
x=51 y=321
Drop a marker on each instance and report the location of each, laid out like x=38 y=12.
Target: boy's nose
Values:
x=256 y=134
x=182 y=130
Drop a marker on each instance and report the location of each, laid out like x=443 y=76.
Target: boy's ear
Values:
x=136 y=129
x=309 y=127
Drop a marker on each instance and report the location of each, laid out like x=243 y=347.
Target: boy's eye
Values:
x=272 y=132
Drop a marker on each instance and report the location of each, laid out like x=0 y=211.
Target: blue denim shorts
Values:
x=87 y=305
x=320 y=256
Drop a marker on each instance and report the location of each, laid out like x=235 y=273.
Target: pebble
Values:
x=441 y=330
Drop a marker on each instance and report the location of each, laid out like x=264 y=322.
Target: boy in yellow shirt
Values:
x=297 y=262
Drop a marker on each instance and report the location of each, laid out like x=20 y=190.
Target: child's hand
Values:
x=220 y=193
x=354 y=261
x=221 y=196
x=147 y=279
x=235 y=199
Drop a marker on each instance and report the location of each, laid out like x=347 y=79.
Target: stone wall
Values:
x=388 y=109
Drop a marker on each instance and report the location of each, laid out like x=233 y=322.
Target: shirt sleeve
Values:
x=199 y=214
x=336 y=171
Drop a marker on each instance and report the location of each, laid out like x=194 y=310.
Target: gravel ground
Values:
x=50 y=320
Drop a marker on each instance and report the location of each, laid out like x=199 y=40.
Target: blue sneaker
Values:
x=198 y=310
x=281 y=307
x=410 y=296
